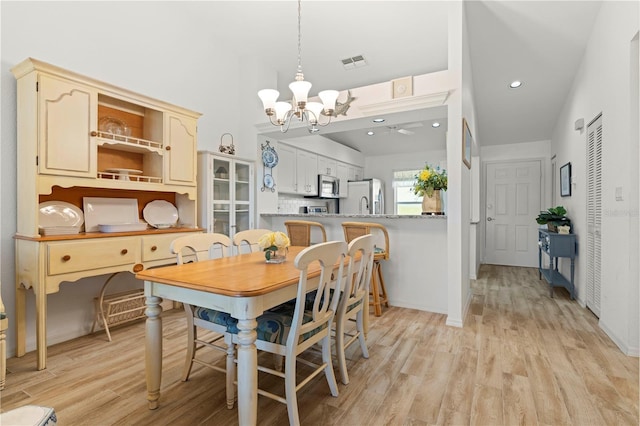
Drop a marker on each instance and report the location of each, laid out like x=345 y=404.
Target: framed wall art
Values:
x=467 y=141
x=565 y=180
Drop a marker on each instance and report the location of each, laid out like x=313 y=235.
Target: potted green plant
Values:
x=554 y=217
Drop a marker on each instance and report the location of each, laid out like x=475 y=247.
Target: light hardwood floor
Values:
x=521 y=358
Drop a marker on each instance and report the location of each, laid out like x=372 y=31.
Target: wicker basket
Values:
x=119 y=308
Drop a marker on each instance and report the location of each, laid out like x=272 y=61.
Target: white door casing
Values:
x=513 y=200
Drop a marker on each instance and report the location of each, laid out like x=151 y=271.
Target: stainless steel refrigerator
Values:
x=364 y=197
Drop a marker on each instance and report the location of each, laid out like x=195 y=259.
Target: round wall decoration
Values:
x=270 y=160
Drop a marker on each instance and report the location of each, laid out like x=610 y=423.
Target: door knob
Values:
x=489 y=219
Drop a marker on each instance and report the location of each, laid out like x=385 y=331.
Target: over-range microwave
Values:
x=328 y=186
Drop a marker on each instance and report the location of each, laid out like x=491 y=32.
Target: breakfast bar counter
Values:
x=416 y=272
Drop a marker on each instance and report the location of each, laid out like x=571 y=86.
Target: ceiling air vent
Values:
x=354 y=62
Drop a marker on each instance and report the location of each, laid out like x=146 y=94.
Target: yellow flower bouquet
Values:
x=429 y=179
x=272 y=242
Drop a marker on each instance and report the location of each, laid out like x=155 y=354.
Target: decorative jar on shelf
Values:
x=432 y=204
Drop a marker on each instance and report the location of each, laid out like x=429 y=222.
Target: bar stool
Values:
x=299 y=232
x=353 y=230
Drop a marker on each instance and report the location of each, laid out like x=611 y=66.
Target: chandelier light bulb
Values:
x=329 y=98
x=282 y=108
x=315 y=109
x=300 y=90
x=268 y=98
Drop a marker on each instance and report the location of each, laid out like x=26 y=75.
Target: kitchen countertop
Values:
x=339 y=215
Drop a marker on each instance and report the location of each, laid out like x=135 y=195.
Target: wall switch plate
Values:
x=619 y=193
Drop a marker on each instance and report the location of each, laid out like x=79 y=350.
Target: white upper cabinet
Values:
x=342 y=170
x=66 y=112
x=307 y=173
x=79 y=137
x=180 y=148
x=327 y=166
x=286 y=169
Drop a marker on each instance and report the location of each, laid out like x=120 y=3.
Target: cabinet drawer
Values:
x=158 y=247
x=74 y=256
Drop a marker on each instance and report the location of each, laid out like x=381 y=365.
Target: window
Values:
x=405 y=201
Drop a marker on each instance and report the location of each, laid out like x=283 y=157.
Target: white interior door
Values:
x=512 y=204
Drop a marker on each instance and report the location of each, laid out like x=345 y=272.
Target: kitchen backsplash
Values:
x=292 y=203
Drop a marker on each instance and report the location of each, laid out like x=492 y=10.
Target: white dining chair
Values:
x=198 y=247
x=290 y=329
x=353 y=301
x=247 y=241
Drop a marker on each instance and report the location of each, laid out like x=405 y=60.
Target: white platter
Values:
x=98 y=210
x=122 y=227
x=160 y=214
x=59 y=213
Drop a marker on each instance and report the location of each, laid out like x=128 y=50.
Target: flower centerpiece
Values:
x=429 y=182
x=275 y=246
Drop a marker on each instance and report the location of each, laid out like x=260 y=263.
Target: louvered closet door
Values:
x=594 y=213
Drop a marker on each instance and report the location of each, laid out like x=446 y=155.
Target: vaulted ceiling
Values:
x=538 y=42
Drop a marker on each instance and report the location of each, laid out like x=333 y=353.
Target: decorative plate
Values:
x=268 y=181
x=159 y=213
x=111 y=125
x=269 y=157
x=59 y=213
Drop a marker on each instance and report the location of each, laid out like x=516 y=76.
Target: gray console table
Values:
x=555 y=246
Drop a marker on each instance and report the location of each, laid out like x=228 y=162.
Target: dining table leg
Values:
x=153 y=349
x=247 y=372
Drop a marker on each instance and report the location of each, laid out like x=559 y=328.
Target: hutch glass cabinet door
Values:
x=242 y=196
x=221 y=196
x=227 y=187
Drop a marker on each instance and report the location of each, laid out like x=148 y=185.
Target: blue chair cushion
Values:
x=273 y=325
x=213 y=316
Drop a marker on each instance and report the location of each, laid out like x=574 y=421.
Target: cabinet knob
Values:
x=138 y=267
x=154 y=248
x=94 y=133
x=66 y=258
x=124 y=251
x=168 y=148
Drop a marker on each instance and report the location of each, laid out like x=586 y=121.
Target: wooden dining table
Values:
x=244 y=286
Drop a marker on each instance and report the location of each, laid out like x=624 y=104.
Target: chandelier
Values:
x=281 y=113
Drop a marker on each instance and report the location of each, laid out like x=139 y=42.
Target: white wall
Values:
x=78 y=36
x=603 y=85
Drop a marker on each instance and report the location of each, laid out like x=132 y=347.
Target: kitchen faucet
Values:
x=366 y=204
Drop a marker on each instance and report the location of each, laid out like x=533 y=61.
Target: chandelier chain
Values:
x=299 y=37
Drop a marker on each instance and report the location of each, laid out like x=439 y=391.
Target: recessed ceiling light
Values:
x=515 y=84
x=370 y=133
x=435 y=124
x=378 y=120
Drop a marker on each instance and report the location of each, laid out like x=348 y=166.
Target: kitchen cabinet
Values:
x=342 y=173
x=286 y=169
x=327 y=166
x=225 y=193
x=69 y=149
x=306 y=173
x=80 y=137
x=555 y=246
x=355 y=173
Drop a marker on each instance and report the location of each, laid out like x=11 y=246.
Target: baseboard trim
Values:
x=629 y=351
